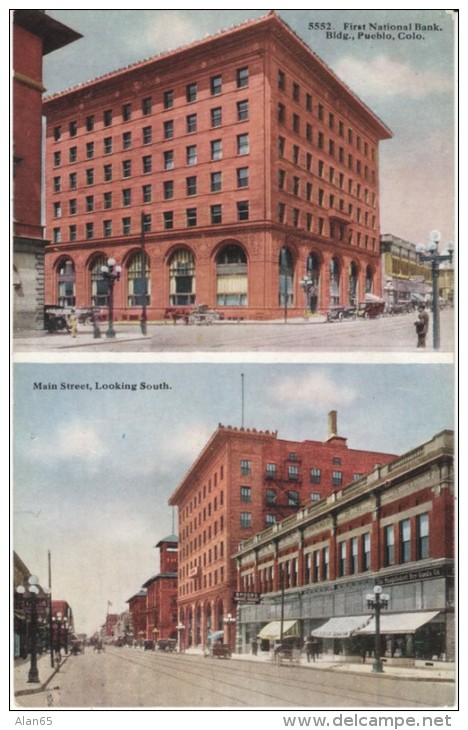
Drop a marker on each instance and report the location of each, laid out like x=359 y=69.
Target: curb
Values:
x=43 y=686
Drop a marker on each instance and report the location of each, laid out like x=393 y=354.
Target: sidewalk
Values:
x=44 y=670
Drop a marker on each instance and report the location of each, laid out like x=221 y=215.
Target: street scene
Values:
x=132 y=678
x=383 y=334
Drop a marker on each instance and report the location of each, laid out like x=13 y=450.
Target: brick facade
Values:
x=161 y=594
x=230 y=493
x=236 y=165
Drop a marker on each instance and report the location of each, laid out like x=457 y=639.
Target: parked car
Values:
x=222 y=651
x=371 y=308
x=148 y=645
x=55 y=318
x=203 y=315
x=338 y=313
x=167 y=644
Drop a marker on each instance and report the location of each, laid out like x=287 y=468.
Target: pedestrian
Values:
x=254 y=648
x=73 y=323
x=309 y=649
x=422 y=326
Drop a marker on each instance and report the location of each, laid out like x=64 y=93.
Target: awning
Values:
x=341 y=627
x=216 y=635
x=399 y=623
x=272 y=630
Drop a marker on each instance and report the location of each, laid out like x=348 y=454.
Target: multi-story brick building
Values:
x=35 y=35
x=393 y=527
x=137 y=609
x=237 y=172
x=161 y=593
x=243 y=481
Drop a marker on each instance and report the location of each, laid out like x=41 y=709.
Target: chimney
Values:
x=332 y=424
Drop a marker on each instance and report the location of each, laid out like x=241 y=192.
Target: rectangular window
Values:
x=107 y=173
x=353 y=549
x=168 y=159
x=296 y=123
x=126 y=112
x=191 y=123
x=245 y=519
x=126 y=197
x=216 y=149
x=191 y=92
x=107 y=228
x=245 y=494
x=309 y=102
x=90 y=176
x=191 y=217
x=107 y=117
x=216 y=85
x=405 y=541
x=281 y=179
x=281 y=113
x=147 y=105
x=72 y=206
x=57 y=133
x=147 y=193
x=242 y=77
x=146 y=222
x=293 y=498
x=337 y=478
x=242 y=144
x=90 y=123
x=168 y=189
x=57 y=158
x=126 y=140
x=271 y=471
x=126 y=168
x=281 y=80
x=72 y=233
x=57 y=235
x=216 y=213
x=191 y=155
x=89 y=150
x=245 y=467
x=57 y=184
x=107 y=145
x=389 y=545
x=281 y=146
x=422 y=544
x=73 y=129
x=147 y=164
x=270 y=496
x=296 y=184
x=242 y=174
x=296 y=91
x=168 y=129
x=242 y=110
x=365 y=552
x=89 y=203
x=147 y=135
x=295 y=154
x=315 y=496
x=325 y=563
x=216 y=182
x=89 y=228
x=126 y=226
x=191 y=185
x=216 y=116
x=243 y=210
x=168 y=220
x=72 y=154
x=342 y=559
x=57 y=210
x=293 y=473
x=281 y=212
x=316 y=566
x=107 y=198
x=168 y=99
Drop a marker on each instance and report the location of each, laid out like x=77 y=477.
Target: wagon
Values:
x=339 y=313
x=222 y=651
x=204 y=315
x=55 y=318
x=371 y=309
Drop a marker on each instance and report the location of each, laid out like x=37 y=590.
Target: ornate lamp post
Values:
x=29 y=601
x=306 y=285
x=430 y=253
x=229 y=620
x=377 y=601
x=111 y=274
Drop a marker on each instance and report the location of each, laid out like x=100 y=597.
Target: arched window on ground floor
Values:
x=353 y=283
x=286 y=278
x=313 y=273
x=231 y=277
x=138 y=280
x=66 y=283
x=334 y=281
x=99 y=285
x=182 y=278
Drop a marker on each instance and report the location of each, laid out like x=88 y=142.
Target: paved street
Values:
x=385 y=334
x=133 y=678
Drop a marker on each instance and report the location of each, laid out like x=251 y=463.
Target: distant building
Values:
x=393 y=527
x=161 y=593
x=243 y=481
x=405 y=282
x=35 y=35
x=137 y=609
x=237 y=172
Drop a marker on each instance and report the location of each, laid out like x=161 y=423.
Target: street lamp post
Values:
x=111 y=274
x=284 y=272
x=32 y=589
x=377 y=601
x=229 y=621
x=430 y=253
x=306 y=284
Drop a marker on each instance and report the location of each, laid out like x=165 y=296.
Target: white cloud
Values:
x=73 y=441
x=182 y=31
x=311 y=392
x=384 y=77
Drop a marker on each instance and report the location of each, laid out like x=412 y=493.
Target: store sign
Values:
x=412 y=575
x=247 y=597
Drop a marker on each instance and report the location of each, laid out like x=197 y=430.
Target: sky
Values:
x=93 y=469
x=408 y=83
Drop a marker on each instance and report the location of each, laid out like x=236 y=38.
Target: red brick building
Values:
x=237 y=172
x=393 y=527
x=35 y=35
x=161 y=593
x=137 y=610
x=243 y=481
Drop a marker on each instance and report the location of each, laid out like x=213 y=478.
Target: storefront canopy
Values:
x=399 y=623
x=341 y=627
x=272 y=631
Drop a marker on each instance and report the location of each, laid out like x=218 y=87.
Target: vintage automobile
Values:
x=148 y=645
x=56 y=318
x=222 y=651
x=167 y=645
x=338 y=313
x=371 y=308
x=203 y=315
